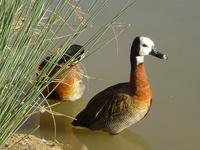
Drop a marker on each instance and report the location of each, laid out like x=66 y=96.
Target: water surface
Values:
x=173 y=122
x=173 y=25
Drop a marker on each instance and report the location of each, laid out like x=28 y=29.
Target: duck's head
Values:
x=143 y=46
x=74 y=50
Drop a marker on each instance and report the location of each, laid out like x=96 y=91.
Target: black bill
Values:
x=158 y=54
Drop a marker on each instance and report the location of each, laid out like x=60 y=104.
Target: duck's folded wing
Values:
x=105 y=104
x=88 y=115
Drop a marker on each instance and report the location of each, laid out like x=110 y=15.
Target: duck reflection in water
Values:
x=76 y=139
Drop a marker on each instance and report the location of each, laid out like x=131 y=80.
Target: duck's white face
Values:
x=146 y=46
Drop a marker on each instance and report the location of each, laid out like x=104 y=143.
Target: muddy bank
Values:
x=30 y=142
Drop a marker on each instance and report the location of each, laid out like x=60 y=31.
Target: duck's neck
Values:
x=140 y=87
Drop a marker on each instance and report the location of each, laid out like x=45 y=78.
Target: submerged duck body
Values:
x=118 y=107
x=68 y=85
x=71 y=86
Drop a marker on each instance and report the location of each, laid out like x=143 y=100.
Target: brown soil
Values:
x=30 y=142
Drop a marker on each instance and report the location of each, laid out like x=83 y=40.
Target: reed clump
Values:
x=30 y=30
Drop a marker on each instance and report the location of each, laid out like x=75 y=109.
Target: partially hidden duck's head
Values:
x=74 y=53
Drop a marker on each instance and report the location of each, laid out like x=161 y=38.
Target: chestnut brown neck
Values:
x=140 y=87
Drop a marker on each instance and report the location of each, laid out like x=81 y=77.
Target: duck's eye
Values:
x=144 y=45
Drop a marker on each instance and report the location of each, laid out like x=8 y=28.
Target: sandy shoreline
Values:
x=31 y=142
